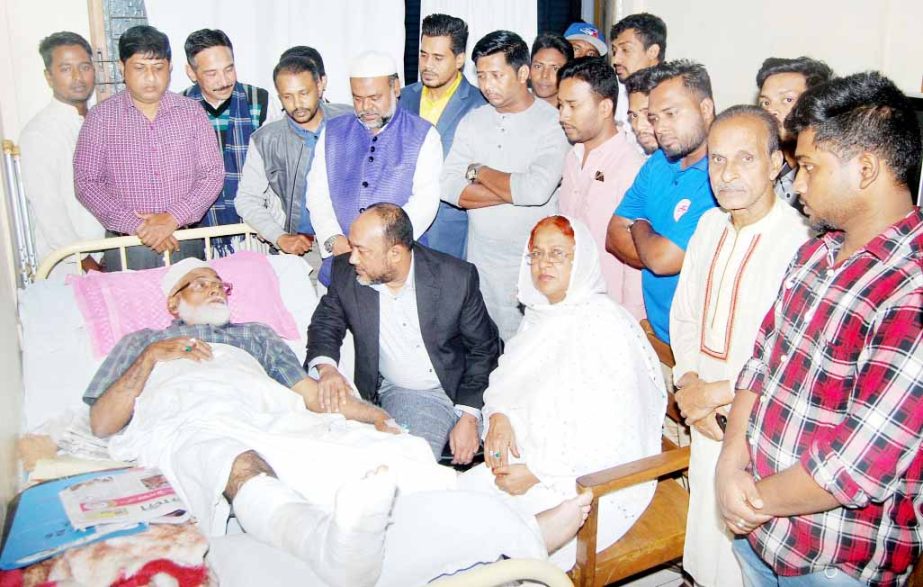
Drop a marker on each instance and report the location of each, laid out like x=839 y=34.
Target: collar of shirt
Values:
x=64 y=110
x=168 y=101
x=181 y=322
x=409 y=284
x=431 y=109
x=677 y=166
x=613 y=143
x=308 y=136
x=882 y=246
x=758 y=226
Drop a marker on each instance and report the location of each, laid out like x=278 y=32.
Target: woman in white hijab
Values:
x=578 y=389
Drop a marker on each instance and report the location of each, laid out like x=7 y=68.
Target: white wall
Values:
x=731 y=38
x=23 y=24
x=23 y=91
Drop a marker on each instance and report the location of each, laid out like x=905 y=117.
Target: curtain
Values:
x=261 y=31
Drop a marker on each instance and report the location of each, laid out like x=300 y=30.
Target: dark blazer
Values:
x=461 y=339
x=465 y=98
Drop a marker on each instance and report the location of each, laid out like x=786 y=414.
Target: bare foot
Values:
x=559 y=525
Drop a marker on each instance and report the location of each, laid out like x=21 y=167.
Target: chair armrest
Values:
x=646 y=469
x=607 y=481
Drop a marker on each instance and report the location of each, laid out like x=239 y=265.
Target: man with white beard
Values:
x=209 y=402
x=384 y=153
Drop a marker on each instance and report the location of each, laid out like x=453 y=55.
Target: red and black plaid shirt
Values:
x=838 y=370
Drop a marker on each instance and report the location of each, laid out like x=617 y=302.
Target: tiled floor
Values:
x=661 y=578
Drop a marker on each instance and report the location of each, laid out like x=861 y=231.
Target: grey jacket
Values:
x=271 y=194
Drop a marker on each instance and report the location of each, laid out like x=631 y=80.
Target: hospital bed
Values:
x=59 y=361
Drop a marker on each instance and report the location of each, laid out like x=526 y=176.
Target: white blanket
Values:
x=193 y=419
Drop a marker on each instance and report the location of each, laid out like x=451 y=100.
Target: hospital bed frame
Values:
x=251 y=242
x=495 y=574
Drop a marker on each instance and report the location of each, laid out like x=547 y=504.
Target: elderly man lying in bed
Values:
x=211 y=403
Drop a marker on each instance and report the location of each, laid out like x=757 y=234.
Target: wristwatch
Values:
x=472 y=174
x=328 y=244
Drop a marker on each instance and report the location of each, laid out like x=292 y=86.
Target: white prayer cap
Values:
x=372 y=64
x=178 y=271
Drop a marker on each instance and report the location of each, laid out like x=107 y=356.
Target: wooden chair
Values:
x=658 y=536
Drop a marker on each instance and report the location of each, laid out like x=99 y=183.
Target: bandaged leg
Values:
x=344 y=547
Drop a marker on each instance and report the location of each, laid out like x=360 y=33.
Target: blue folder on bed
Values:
x=37 y=526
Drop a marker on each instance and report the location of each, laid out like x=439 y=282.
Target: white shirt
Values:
x=47 y=146
x=402 y=356
x=421 y=207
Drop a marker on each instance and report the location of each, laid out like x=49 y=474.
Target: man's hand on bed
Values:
x=514 y=479
x=181 y=347
x=156 y=231
x=333 y=389
x=88 y=264
x=463 y=439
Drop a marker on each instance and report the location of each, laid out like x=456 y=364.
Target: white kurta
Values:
x=47 y=146
x=729 y=280
x=582 y=388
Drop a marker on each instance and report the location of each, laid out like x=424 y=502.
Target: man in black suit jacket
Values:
x=425 y=344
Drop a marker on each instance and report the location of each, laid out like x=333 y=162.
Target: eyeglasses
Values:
x=554 y=256
x=201 y=284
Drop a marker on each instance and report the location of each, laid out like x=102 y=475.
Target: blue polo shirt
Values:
x=672 y=199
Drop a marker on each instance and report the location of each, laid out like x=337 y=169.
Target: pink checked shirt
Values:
x=591 y=192
x=124 y=163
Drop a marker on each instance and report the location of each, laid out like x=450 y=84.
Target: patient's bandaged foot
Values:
x=344 y=547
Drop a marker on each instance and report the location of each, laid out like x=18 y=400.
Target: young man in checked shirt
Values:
x=821 y=470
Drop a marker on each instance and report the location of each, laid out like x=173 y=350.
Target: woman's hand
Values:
x=514 y=479
x=500 y=441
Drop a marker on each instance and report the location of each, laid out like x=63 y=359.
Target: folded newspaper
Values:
x=123 y=497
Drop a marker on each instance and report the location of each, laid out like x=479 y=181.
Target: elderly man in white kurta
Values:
x=504 y=167
x=732 y=272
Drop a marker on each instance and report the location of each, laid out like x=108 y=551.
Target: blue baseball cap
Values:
x=583 y=31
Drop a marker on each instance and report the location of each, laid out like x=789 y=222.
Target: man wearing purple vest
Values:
x=382 y=154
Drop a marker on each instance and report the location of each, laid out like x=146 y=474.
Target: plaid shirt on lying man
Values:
x=260 y=340
x=838 y=373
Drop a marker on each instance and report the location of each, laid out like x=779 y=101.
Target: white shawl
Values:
x=579 y=381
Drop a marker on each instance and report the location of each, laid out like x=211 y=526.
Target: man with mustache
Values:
x=235 y=111
x=504 y=168
x=147 y=161
x=732 y=270
x=272 y=191
x=382 y=154
x=652 y=226
x=47 y=146
x=443 y=97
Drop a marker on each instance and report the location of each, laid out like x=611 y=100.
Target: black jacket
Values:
x=460 y=337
